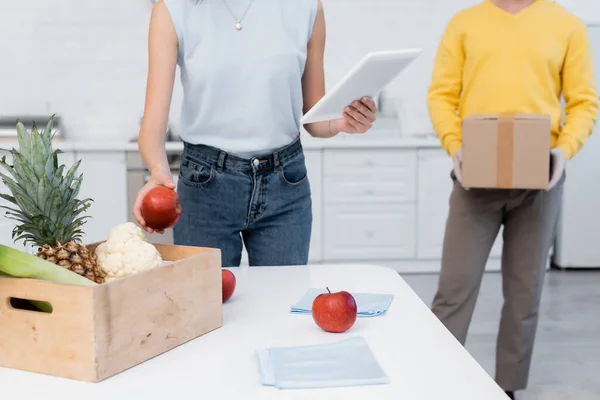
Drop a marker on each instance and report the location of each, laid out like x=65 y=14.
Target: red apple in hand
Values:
x=334 y=312
x=161 y=208
x=228 y=284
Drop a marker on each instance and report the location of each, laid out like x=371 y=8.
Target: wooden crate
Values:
x=95 y=332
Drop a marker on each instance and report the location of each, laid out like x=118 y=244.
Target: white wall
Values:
x=86 y=59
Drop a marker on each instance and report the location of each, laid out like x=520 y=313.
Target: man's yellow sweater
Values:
x=491 y=61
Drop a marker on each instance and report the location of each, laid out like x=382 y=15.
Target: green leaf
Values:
x=65 y=192
x=26 y=204
x=47 y=134
x=9 y=168
x=55 y=156
x=49 y=167
x=38 y=156
x=30 y=228
x=42 y=190
x=76 y=187
x=26 y=238
x=24 y=139
x=71 y=173
x=73 y=228
x=49 y=200
x=26 y=176
x=19 y=213
x=23 y=200
x=6 y=179
x=55 y=206
x=72 y=211
x=58 y=176
x=8 y=198
x=16 y=217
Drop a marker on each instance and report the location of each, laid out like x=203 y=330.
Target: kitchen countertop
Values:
x=422 y=358
x=309 y=143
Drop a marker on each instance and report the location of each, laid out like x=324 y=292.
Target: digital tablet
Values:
x=372 y=74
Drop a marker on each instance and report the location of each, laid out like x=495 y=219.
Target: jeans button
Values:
x=255 y=162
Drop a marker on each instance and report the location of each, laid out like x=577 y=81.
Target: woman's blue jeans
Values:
x=264 y=203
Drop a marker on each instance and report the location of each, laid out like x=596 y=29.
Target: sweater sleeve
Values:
x=580 y=94
x=445 y=89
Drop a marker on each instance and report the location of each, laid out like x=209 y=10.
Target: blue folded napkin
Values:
x=348 y=362
x=368 y=304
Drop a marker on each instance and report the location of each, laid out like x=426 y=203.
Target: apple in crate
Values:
x=228 y=284
x=334 y=312
x=161 y=208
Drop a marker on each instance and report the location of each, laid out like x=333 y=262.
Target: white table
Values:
x=422 y=358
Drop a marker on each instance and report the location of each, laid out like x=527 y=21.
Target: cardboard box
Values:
x=506 y=151
x=95 y=332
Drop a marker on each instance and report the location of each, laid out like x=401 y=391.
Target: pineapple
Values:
x=48 y=212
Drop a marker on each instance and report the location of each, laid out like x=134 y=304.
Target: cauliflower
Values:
x=126 y=252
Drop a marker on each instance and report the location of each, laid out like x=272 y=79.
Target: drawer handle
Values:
x=369 y=234
x=369 y=163
x=369 y=192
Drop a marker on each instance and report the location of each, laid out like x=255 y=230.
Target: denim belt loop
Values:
x=221 y=161
x=276 y=162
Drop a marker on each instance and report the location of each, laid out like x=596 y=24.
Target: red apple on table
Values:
x=228 y=284
x=334 y=312
x=161 y=208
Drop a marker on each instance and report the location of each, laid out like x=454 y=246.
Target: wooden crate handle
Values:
x=16 y=293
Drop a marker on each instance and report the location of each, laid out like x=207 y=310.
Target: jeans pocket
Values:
x=195 y=173
x=294 y=172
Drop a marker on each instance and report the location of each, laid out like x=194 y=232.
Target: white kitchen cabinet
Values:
x=353 y=232
x=375 y=176
x=577 y=240
x=104 y=181
x=434 y=188
x=369 y=204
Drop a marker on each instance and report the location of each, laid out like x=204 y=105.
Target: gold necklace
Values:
x=238 y=22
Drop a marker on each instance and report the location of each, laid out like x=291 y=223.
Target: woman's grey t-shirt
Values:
x=242 y=89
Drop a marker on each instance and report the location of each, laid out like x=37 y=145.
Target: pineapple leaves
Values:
x=73 y=209
x=73 y=230
x=23 y=200
x=45 y=198
x=25 y=173
x=75 y=189
x=55 y=157
x=71 y=172
x=42 y=190
x=16 y=215
x=47 y=134
x=23 y=138
x=49 y=169
x=8 y=198
x=53 y=201
x=25 y=237
x=10 y=169
x=52 y=168
x=38 y=156
x=26 y=204
x=58 y=176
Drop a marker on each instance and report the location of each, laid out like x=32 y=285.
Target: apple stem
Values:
x=328 y=289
